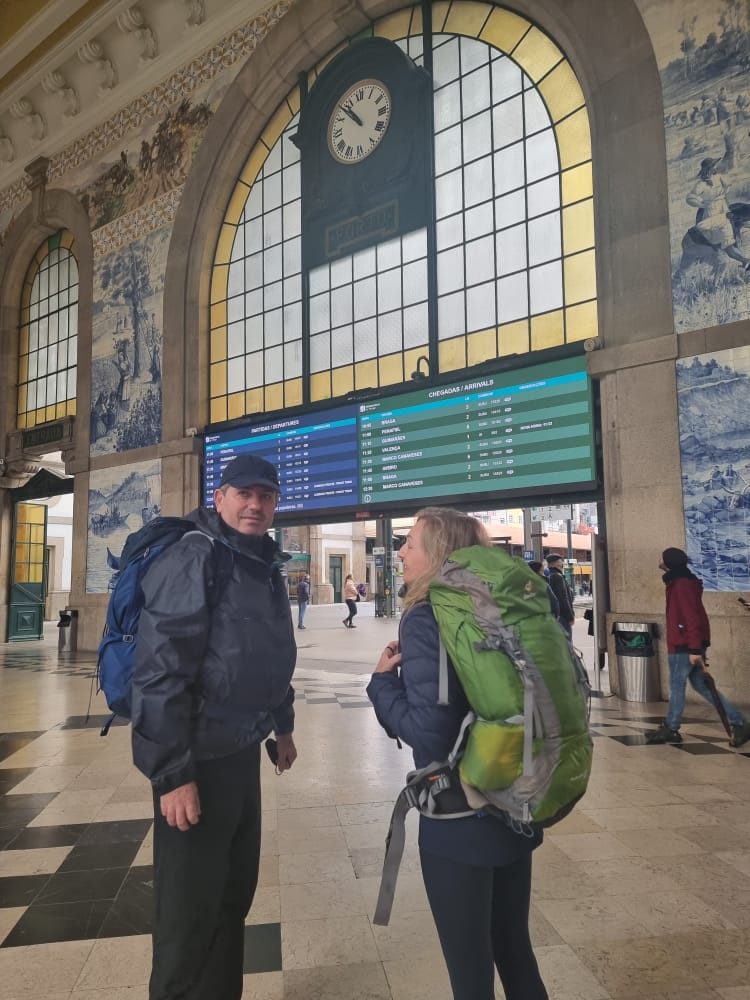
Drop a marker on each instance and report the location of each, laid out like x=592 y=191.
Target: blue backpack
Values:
x=117 y=649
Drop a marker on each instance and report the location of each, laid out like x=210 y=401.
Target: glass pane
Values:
x=293 y=321
x=292 y=359
x=541 y=155
x=271 y=192
x=273 y=160
x=448 y=194
x=254 y=271
x=450 y=270
x=473 y=54
x=235 y=309
x=235 y=339
x=480 y=262
x=365 y=340
x=447 y=106
x=291 y=179
x=235 y=374
x=389 y=333
x=319 y=280
x=254 y=203
x=272 y=228
x=450 y=231
x=451 y=316
x=292 y=215
x=475 y=88
x=253 y=238
x=274 y=361
x=507 y=123
x=477 y=136
x=320 y=352
x=478 y=181
x=511 y=249
x=448 y=150
x=364 y=263
x=479 y=221
x=364 y=298
x=254 y=370
x=33 y=358
x=544 y=238
x=341 y=306
x=537 y=116
x=545 y=285
x=389 y=290
x=72 y=350
x=273 y=327
x=320 y=312
x=272 y=264
x=254 y=333
x=42 y=361
x=342 y=346
x=254 y=302
x=509 y=169
x=292 y=254
x=480 y=307
x=415 y=282
x=543 y=196
x=72 y=383
x=293 y=288
x=236 y=281
x=445 y=60
x=414 y=245
x=341 y=272
x=389 y=254
x=512 y=298
x=61 y=391
x=272 y=295
x=415 y=326
x=507 y=79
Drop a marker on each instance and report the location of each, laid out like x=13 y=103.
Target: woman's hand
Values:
x=390 y=658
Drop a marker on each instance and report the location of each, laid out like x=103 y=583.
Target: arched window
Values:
x=512 y=249
x=48 y=334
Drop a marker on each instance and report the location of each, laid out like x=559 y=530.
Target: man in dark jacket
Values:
x=562 y=592
x=303 y=597
x=215 y=658
x=688 y=638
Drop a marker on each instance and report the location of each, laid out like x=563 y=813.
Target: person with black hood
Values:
x=214 y=661
x=688 y=637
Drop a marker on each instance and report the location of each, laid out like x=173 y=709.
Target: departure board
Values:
x=316 y=457
x=508 y=434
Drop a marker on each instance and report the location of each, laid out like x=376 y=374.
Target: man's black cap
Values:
x=250 y=470
x=553 y=557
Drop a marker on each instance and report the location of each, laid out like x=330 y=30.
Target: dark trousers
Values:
x=352 y=605
x=482 y=919
x=204 y=883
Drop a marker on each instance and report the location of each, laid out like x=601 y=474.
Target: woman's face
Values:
x=412 y=554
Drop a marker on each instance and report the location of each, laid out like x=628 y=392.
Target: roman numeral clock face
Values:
x=359 y=121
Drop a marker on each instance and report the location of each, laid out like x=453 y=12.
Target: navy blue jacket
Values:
x=406 y=705
x=213 y=670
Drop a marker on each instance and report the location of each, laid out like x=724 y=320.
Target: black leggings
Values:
x=352 y=605
x=482 y=919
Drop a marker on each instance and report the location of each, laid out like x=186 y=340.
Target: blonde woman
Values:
x=476 y=870
x=350 y=596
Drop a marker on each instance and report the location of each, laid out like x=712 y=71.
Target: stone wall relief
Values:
x=703 y=52
x=126 y=364
x=121 y=500
x=713 y=391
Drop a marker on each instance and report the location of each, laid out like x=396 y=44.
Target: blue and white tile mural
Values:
x=126 y=397
x=121 y=500
x=713 y=393
x=703 y=53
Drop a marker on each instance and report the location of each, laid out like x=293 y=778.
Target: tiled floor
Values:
x=643 y=893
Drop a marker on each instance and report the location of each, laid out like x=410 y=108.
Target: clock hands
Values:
x=352 y=114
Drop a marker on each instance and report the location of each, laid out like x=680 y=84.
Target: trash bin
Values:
x=67 y=636
x=637 y=664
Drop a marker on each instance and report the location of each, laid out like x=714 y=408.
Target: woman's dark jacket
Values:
x=688 y=629
x=407 y=706
x=215 y=651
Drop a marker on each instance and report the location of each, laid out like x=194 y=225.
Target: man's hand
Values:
x=181 y=807
x=287 y=752
x=696 y=660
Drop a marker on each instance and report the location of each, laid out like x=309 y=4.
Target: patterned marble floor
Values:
x=641 y=894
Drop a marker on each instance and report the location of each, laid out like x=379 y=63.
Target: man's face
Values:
x=248 y=510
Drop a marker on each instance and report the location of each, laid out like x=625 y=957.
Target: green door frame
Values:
x=28 y=572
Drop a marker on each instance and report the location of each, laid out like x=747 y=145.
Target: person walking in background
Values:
x=562 y=592
x=476 y=869
x=212 y=680
x=351 y=597
x=688 y=638
x=303 y=598
x=554 y=604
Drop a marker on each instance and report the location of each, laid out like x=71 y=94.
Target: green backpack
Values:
x=524 y=751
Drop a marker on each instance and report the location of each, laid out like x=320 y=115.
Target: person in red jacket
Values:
x=688 y=637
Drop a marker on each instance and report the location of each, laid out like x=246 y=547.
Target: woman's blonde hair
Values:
x=443 y=531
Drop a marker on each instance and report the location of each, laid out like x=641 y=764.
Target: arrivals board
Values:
x=496 y=436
